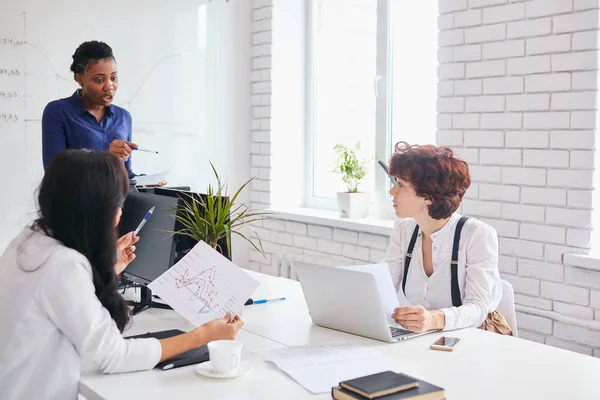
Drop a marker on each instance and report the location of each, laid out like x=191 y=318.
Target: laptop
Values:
x=349 y=301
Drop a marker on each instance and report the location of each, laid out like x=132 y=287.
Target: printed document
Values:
x=204 y=286
x=318 y=368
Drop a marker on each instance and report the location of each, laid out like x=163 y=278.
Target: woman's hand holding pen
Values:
x=122 y=148
x=125 y=251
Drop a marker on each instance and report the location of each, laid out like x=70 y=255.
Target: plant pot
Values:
x=353 y=205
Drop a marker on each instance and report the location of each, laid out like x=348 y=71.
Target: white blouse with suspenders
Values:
x=466 y=289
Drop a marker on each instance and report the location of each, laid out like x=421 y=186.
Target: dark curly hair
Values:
x=78 y=199
x=434 y=173
x=89 y=52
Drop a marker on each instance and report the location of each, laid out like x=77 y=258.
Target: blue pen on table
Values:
x=261 y=301
x=147 y=151
x=146 y=218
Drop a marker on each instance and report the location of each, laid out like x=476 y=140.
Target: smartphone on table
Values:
x=446 y=343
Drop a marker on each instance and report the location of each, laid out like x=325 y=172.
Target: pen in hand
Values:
x=147 y=151
x=146 y=218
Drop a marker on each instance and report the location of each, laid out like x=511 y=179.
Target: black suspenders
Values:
x=456 y=301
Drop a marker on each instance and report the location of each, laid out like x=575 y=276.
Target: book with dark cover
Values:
x=380 y=384
x=425 y=391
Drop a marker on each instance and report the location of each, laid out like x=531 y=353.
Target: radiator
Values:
x=282 y=264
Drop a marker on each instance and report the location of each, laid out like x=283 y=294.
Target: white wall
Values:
x=517 y=100
x=262 y=39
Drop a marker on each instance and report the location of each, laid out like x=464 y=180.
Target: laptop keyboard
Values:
x=396 y=332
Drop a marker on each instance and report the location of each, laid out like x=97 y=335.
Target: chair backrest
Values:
x=507 y=306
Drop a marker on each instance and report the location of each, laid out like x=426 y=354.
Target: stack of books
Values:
x=387 y=385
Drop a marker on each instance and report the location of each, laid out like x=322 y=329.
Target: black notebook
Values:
x=425 y=391
x=194 y=356
x=380 y=384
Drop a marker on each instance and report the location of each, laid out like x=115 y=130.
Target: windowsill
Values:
x=375 y=226
x=582 y=261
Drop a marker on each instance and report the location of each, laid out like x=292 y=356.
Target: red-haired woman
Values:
x=447 y=291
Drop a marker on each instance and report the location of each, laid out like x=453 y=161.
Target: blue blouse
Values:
x=67 y=124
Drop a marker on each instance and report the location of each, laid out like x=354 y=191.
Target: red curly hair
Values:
x=434 y=173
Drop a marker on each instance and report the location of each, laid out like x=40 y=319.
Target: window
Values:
x=344 y=62
x=413 y=72
x=372 y=81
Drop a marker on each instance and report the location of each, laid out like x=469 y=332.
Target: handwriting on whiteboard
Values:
x=144 y=131
x=4 y=117
x=12 y=42
x=9 y=72
x=8 y=95
x=185 y=134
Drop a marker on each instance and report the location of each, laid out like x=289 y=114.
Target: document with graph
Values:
x=204 y=285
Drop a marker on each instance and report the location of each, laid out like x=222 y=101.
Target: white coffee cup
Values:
x=225 y=355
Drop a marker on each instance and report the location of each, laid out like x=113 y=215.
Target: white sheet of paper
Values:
x=204 y=285
x=152 y=179
x=321 y=378
x=304 y=356
x=389 y=298
x=320 y=367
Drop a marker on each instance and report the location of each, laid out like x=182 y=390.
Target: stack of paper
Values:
x=152 y=179
x=319 y=368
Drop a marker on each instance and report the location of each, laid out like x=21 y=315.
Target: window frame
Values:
x=380 y=200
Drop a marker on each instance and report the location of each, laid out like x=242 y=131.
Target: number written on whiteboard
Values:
x=4 y=117
x=12 y=42
x=8 y=95
x=9 y=72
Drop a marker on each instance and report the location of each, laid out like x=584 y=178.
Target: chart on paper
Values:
x=204 y=285
x=201 y=289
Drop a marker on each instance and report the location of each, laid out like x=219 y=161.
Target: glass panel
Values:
x=413 y=80
x=344 y=62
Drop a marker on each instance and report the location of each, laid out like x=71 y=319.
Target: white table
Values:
x=184 y=383
x=485 y=366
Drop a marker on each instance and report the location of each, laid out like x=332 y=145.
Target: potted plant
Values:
x=352 y=203
x=214 y=216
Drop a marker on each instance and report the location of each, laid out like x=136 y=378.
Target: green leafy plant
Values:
x=217 y=216
x=352 y=169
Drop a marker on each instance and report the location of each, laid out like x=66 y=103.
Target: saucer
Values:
x=206 y=369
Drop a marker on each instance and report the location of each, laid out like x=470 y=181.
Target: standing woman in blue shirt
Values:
x=88 y=119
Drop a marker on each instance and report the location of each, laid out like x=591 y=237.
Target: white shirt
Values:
x=478 y=275
x=52 y=323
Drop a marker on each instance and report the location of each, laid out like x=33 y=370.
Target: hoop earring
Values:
x=80 y=93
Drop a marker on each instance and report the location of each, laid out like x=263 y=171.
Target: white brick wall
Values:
x=517 y=99
x=261 y=103
x=528 y=124
x=548 y=82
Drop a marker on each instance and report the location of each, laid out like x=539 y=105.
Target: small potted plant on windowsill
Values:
x=352 y=203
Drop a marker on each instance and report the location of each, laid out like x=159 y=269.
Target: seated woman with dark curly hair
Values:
x=447 y=291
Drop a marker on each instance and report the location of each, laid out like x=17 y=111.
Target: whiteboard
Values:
x=162 y=50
